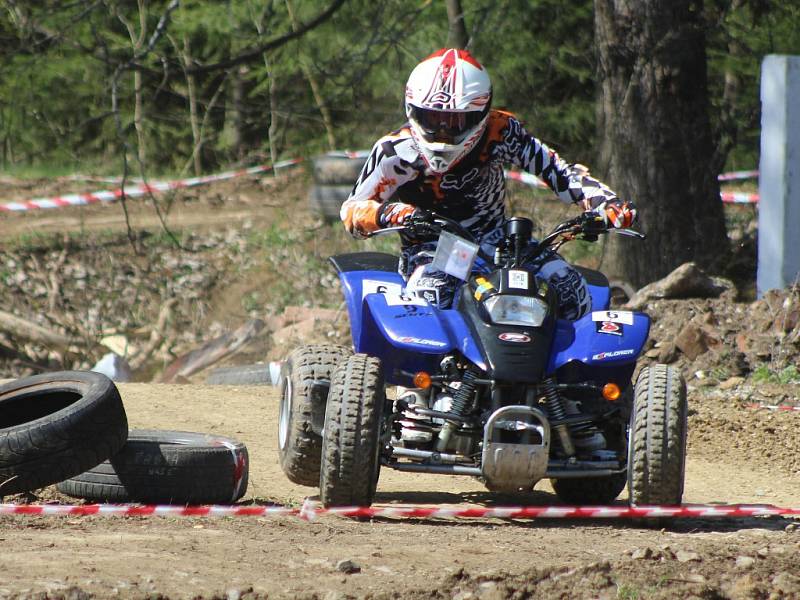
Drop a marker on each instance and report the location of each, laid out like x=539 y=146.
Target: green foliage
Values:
x=764 y=374
x=64 y=67
x=740 y=35
x=627 y=591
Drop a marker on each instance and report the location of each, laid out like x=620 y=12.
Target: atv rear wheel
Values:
x=590 y=490
x=305 y=377
x=351 y=440
x=657 y=437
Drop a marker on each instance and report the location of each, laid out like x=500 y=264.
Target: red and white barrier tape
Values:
x=728 y=197
x=739 y=198
x=140 y=189
x=136 y=190
x=310 y=511
x=526 y=178
x=774 y=407
x=734 y=175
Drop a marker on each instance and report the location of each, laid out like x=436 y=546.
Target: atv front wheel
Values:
x=657 y=437
x=351 y=440
x=305 y=377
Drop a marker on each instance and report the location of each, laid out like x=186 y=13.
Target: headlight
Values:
x=516 y=310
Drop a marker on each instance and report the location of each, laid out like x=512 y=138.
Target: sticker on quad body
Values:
x=582 y=342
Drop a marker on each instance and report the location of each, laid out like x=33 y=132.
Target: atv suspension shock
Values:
x=557 y=411
x=462 y=402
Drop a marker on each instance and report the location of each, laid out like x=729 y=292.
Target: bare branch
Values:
x=257 y=51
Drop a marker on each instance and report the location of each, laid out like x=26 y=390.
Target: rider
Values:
x=448 y=158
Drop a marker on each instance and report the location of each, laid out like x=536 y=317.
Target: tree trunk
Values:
x=138 y=118
x=457 y=35
x=238 y=100
x=656 y=144
x=272 y=132
x=137 y=42
x=194 y=118
x=316 y=89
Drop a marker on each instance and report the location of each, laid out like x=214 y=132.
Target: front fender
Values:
x=600 y=339
x=409 y=334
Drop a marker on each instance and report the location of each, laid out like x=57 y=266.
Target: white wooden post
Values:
x=779 y=177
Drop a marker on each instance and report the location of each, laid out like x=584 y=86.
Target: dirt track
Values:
x=489 y=558
x=736 y=455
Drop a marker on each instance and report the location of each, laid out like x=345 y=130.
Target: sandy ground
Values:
x=492 y=558
x=735 y=456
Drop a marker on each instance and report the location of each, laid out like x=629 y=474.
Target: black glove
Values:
x=592 y=225
x=420 y=224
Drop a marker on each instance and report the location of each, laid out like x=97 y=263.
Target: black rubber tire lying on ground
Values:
x=167 y=467
x=326 y=200
x=336 y=169
x=56 y=425
x=240 y=375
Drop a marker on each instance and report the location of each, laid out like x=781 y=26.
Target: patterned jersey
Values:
x=473 y=191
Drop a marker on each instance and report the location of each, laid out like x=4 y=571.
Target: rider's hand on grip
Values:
x=420 y=224
x=592 y=225
x=618 y=214
x=393 y=214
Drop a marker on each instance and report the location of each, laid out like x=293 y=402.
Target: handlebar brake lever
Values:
x=383 y=230
x=630 y=233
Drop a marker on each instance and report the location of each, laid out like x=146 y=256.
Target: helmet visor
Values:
x=445 y=126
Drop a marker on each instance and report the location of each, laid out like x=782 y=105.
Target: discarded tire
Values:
x=336 y=169
x=326 y=200
x=56 y=425
x=167 y=467
x=240 y=375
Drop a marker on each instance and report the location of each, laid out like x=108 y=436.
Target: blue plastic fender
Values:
x=407 y=334
x=600 y=339
x=356 y=285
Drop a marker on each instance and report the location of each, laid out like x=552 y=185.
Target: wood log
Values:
x=210 y=352
x=22 y=329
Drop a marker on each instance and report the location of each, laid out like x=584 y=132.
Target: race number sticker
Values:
x=371 y=286
x=613 y=316
x=518 y=280
x=403 y=300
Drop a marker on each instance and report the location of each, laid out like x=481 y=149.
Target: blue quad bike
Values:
x=496 y=387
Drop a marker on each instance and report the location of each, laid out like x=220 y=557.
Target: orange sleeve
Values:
x=360 y=217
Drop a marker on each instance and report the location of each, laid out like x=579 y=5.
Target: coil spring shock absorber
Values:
x=556 y=410
x=462 y=402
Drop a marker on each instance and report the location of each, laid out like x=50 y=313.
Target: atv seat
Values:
x=365 y=261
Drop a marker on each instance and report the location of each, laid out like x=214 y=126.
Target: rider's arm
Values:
x=366 y=209
x=571 y=182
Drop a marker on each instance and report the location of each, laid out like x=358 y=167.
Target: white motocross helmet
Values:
x=448 y=96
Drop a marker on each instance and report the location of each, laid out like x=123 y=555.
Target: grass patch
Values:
x=787 y=375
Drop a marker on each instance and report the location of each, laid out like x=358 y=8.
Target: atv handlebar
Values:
x=586 y=224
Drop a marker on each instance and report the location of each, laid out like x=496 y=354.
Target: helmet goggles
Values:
x=445 y=126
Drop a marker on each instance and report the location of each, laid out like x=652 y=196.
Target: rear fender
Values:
x=598 y=287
